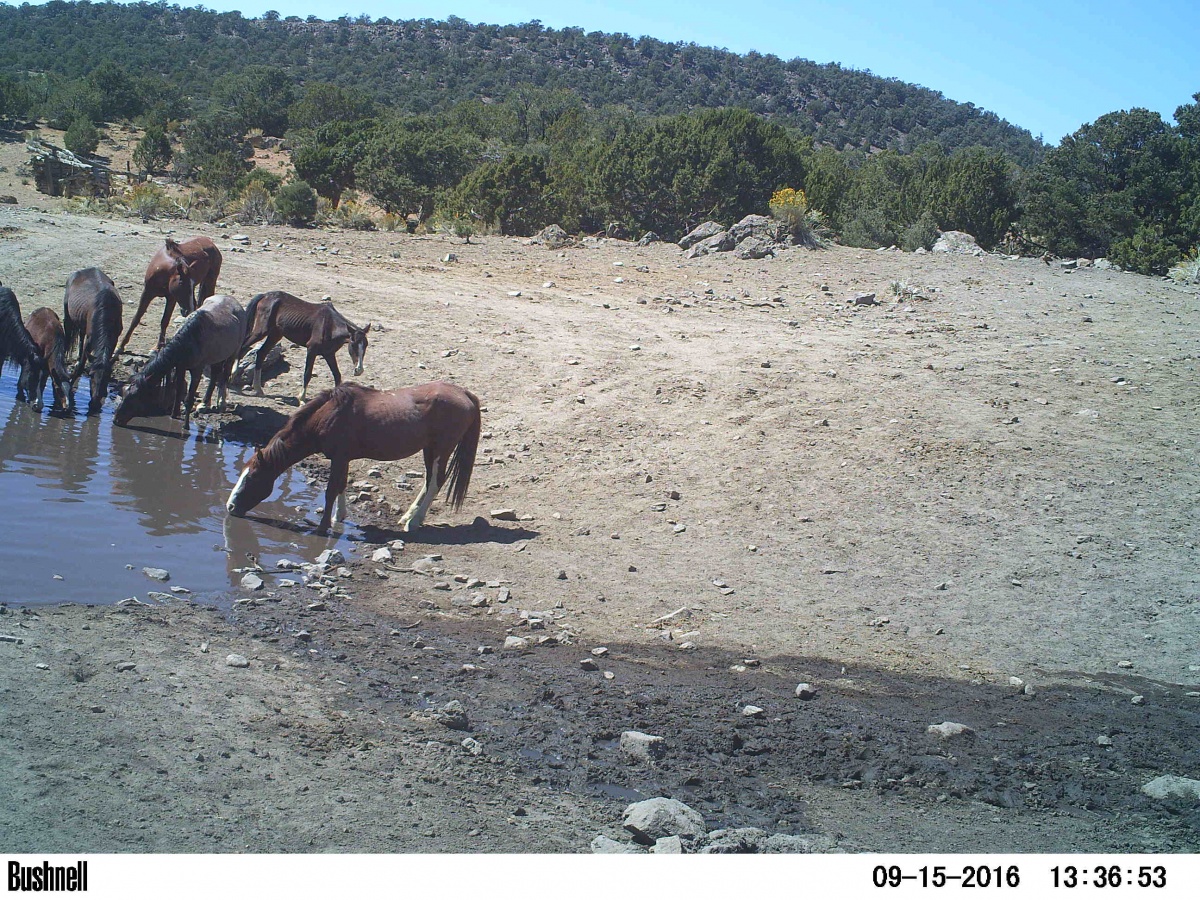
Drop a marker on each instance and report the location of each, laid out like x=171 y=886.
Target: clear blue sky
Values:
x=1046 y=65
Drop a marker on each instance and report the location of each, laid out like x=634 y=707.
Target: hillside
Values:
x=425 y=66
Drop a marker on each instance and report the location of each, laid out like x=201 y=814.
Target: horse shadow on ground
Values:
x=255 y=425
x=480 y=531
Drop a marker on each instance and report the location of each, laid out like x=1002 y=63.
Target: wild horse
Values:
x=208 y=339
x=17 y=346
x=185 y=273
x=355 y=422
x=46 y=329
x=317 y=326
x=92 y=319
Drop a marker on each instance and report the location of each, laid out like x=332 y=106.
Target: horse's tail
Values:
x=260 y=321
x=58 y=355
x=463 y=460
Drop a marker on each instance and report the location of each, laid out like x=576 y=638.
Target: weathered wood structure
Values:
x=60 y=173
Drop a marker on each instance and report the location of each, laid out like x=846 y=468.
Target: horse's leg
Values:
x=193 y=390
x=260 y=359
x=415 y=516
x=223 y=384
x=84 y=350
x=166 y=319
x=143 y=305
x=308 y=367
x=331 y=361
x=212 y=383
x=335 y=494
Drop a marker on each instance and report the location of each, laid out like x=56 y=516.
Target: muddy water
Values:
x=94 y=504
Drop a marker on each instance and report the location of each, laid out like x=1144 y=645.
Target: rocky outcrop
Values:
x=700 y=233
x=720 y=242
x=553 y=237
x=957 y=242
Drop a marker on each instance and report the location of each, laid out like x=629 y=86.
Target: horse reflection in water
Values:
x=59 y=452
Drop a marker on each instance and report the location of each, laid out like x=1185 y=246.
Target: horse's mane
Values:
x=165 y=360
x=105 y=325
x=278 y=451
x=15 y=342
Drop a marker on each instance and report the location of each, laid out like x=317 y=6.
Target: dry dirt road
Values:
x=977 y=504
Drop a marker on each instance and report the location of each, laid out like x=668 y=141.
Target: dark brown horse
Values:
x=317 y=326
x=208 y=339
x=46 y=329
x=355 y=422
x=185 y=273
x=16 y=345
x=92 y=319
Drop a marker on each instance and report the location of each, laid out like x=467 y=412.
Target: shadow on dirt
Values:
x=480 y=531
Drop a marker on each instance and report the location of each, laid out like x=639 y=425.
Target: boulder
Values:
x=553 y=237
x=1172 y=787
x=796 y=843
x=700 y=233
x=757 y=226
x=721 y=242
x=643 y=746
x=947 y=730
x=735 y=840
x=754 y=248
x=602 y=844
x=957 y=242
x=650 y=237
x=659 y=817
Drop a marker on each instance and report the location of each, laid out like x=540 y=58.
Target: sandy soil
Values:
x=907 y=505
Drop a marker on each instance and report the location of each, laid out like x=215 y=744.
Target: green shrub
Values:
x=1187 y=270
x=921 y=234
x=296 y=203
x=82 y=138
x=868 y=229
x=146 y=200
x=153 y=152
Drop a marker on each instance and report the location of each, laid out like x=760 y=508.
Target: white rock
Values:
x=643 y=746
x=602 y=844
x=946 y=730
x=512 y=642
x=382 y=555
x=237 y=661
x=806 y=691
x=649 y=820
x=752 y=712
x=156 y=574
x=1176 y=787
x=330 y=557
x=670 y=844
x=251 y=582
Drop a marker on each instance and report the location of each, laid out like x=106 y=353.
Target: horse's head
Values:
x=358 y=347
x=181 y=286
x=143 y=397
x=252 y=488
x=30 y=377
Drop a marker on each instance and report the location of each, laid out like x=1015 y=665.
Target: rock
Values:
x=472 y=746
x=602 y=844
x=1068 y=263
x=512 y=642
x=287 y=565
x=754 y=248
x=753 y=712
x=806 y=691
x=126 y=666
x=156 y=574
x=237 y=661
x=504 y=515
x=159 y=596
x=553 y=237
x=1172 y=787
x=649 y=820
x=7 y=198
x=721 y=242
x=700 y=233
x=947 y=730
x=734 y=840
x=1104 y=740
x=671 y=844
x=330 y=557
x=382 y=555
x=251 y=582
x=588 y=665
x=642 y=746
x=1103 y=263
x=864 y=300
x=755 y=226
x=795 y=843
x=450 y=257
x=957 y=242
x=452 y=715
x=650 y=237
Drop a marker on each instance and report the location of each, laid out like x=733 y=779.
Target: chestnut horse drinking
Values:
x=185 y=273
x=92 y=318
x=209 y=337
x=46 y=329
x=16 y=345
x=355 y=422
x=317 y=326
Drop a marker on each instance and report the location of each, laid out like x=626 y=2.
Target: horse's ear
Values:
x=366 y=328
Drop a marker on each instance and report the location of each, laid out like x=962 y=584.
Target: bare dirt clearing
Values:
x=907 y=505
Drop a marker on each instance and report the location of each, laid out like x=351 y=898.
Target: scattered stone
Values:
x=700 y=233
x=472 y=746
x=648 y=820
x=10 y=639
x=753 y=712
x=670 y=844
x=650 y=237
x=588 y=665
x=1104 y=740
x=382 y=555
x=176 y=589
x=679 y=528
x=806 y=691
x=721 y=242
x=156 y=574
x=553 y=237
x=1172 y=787
x=512 y=642
x=504 y=515
x=642 y=746
x=251 y=582
x=126 y=666
x=330 y=557
x=599 y=651
x=947 y=730
x=1124 y=664
x=957 y=242
x=754 y=248
x=1137 y=699
x=237 y=661
x=286 y=565
x=864 y=300
x=734 y=840
x=796 y=843
x=602 y=844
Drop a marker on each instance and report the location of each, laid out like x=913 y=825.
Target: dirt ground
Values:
x=976 y=504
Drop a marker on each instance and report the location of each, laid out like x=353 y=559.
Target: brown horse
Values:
x=209 y=337
x=317 y=326
x=46 y=329
x=355 y=422
x=16 y=345
x=185 y=273
x=92 y=318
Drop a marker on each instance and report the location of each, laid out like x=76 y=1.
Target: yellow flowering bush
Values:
x=805 y=224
